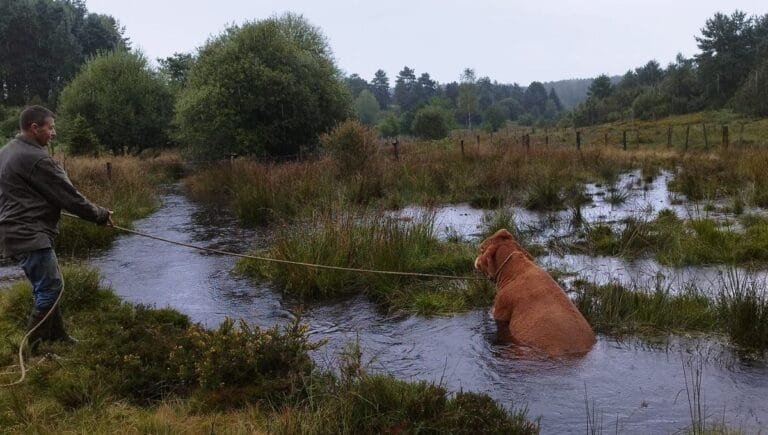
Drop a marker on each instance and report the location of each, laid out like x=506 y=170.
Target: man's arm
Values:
x=50 y=180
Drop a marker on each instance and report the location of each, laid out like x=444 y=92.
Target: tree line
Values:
x=730 y=72
x=271 y=88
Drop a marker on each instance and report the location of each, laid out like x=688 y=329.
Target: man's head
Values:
x=37 y=122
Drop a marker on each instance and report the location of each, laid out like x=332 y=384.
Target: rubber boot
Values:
x=42 y=330
x=56 y=328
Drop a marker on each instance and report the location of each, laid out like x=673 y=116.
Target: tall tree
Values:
x=366 y=107
x=43 y=43
x=650 y=74
x=356 y=84
x=380 y=88
x=468 y=100
x=535 y=98
x=726 y=43
x=405 y=89
x=601 y=87
x=426 y=88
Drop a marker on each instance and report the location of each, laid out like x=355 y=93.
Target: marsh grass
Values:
x=129 y=189
x=361 y=240
x=617 y=310
x=144 y=370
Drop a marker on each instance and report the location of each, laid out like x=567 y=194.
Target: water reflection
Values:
x=634 y=388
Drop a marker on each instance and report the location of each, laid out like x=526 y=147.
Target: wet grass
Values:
x=361 y=240
x=739 y=311
x=144 y=370
x=129 y=188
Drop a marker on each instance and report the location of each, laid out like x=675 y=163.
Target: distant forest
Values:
x=226 y=95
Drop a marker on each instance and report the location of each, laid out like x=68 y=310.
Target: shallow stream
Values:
x=629 y=387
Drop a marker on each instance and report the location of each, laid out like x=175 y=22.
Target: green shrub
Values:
x=123 y=104
x=431 y=122
x=353 y=147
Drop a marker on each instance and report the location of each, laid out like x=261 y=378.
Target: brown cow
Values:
x=539 y=313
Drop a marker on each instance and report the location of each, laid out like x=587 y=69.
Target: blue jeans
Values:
x=42 y=270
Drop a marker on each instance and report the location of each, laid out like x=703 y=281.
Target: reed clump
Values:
x=738 y=310
x=360 y=240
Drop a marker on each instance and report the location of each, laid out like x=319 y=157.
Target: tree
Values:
x=650 y=74
x=494 y=117
x=380 y=88
x=535 y=98
x=44 y=42
x=682 y=87
x=124 y=103
x=426 y=88
x=552 y=96
x=467 y=101
x=405 y=89
x=366 y=107
x=431 y=122
x=356 y=84
x=175 y=70
x=725 y=59
x=389 y=125
x=752 y=97
x=265 y=88
x=601 y=87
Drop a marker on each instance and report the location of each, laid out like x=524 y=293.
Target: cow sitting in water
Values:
x=539 y=313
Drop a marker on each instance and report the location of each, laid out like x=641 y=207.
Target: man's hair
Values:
x=34 y=115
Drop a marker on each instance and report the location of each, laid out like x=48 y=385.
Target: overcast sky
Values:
x=508 y=41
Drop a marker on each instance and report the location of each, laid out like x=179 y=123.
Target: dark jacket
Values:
x=33 y=191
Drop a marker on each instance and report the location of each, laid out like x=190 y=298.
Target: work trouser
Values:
x=42 y=269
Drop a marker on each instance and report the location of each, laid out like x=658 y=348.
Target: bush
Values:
x=431 y=122
x=265 y=88
x=353 y=146
x=124 y=104
x=80 y=137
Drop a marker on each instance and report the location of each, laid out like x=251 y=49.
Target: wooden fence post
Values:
x=669 y=136
x=704 y=129
x=578 y=140
x=687 y=135
x=527 y=142
x=462 y=148
x=397 y=151
x=605 y=139
x=624 y=139
x=725 y=137
x=109 y=171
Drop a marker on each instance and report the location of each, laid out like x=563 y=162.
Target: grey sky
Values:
x=508 y=41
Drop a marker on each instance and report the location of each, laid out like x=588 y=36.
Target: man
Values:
x=33 y=191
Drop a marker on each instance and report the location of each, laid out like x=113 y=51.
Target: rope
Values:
x=296 y=263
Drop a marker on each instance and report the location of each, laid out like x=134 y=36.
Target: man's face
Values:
x=44 y=133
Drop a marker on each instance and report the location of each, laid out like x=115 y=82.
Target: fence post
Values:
x=704 y=129
x=478 y=140
x=624 y=139
x=397 y=151
x=546 y=140
x=578 y=140
x=605 y=139
x=725 y=137
x=669 y=136
x=109 y=171
x=462 y=148
x=527 y=142
x=687 y=134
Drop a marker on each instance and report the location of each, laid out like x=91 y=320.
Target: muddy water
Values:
x=629 y=387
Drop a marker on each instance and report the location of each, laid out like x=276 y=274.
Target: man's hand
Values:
x=109 y=218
